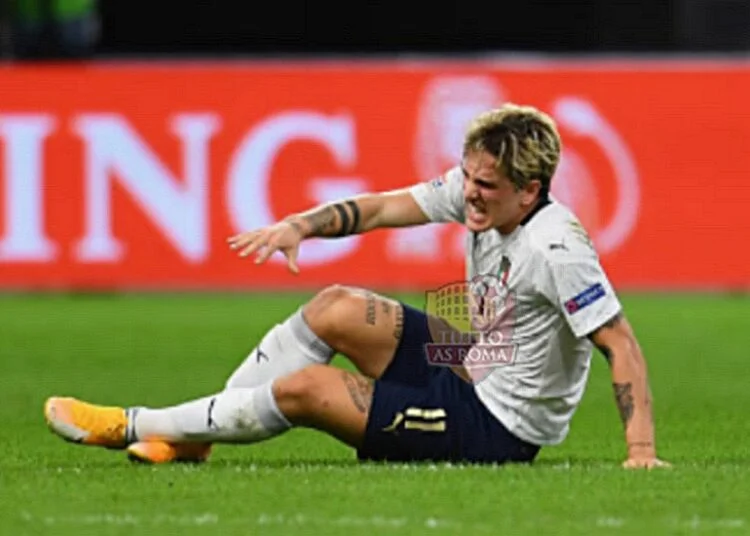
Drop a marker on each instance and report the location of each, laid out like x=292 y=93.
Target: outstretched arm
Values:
x=616 y=340
x=360 y=214
x=342 y=218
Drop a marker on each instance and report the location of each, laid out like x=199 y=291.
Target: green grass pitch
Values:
x=162 y=349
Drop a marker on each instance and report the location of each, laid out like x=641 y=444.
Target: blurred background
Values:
x=135 y=139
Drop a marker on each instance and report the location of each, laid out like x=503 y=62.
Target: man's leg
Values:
x=393 y=340
x=372 y=344
x=444 y=421
x=319 y=396
x=322 y=397
x=364 y=327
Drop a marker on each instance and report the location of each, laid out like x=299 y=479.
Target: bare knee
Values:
x=359 y=324
x=302 y=395
x=330 y=310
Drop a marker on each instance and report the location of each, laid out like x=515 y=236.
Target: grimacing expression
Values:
x=491 y=199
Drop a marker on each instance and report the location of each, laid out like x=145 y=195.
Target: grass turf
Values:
x=162 y=349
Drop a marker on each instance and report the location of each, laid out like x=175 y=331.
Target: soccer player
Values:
x=539 y=299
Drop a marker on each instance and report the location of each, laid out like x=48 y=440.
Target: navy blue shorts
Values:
x=422 y=412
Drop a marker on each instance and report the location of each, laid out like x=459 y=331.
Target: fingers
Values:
x=248 y=243
x=268 y=250
x=291 y=256
x=266 y=242
x=245 y=241
x=647 y=463
x=241 y=239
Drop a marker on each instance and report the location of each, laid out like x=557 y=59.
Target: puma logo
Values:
x=260 y=354
x=398 y=419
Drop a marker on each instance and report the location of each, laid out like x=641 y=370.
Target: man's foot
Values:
x=88 y=424
x=163 y=452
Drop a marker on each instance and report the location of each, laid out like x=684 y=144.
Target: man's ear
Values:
x=530 y=193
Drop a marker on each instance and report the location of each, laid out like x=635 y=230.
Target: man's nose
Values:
x=471 y=192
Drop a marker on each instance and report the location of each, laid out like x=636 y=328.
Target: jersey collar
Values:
x=544 y=200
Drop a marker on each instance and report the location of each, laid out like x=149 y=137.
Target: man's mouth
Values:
x=476 y=213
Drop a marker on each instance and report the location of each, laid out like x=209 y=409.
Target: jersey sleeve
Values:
x=442 y=199
x=579 y=287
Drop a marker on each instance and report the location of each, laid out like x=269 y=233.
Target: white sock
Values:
x=232 y=416
x=286 y=348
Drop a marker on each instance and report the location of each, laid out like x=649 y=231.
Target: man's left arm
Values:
x=616 y=340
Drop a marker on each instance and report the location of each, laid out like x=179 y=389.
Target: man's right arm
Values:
x=342 y=218
x=440 y=200
x=359 y=214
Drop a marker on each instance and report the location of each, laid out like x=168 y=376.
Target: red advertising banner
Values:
x=133 y=175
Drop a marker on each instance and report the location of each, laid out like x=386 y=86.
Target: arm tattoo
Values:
x=370 y=314
x=337 y=219
x=321 y=221
x=624 y=398
x=349 y=215
x=297 y=227
x=398 y=329
x=360 y=390
x=355 y=216
x=344 y=217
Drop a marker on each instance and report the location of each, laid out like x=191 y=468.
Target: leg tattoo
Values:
x=398 y=329
x=370 y=316
x=360 y=390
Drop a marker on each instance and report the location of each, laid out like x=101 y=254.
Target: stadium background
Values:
x=128 y=155
x=186 y=126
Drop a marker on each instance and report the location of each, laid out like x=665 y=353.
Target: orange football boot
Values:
x=155 y=451
x=88 y=424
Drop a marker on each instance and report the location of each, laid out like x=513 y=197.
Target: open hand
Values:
x=282 y=236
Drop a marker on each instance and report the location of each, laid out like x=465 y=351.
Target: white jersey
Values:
x=552 y=293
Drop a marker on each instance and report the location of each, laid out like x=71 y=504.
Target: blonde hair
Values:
x=524 y=140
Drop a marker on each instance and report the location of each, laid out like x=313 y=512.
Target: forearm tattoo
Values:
x=297 y=227
x=360 y=390
x=624 y=398
x=337 y=219
x=322 y=222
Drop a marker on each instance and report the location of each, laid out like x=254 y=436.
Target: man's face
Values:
x=491 y=199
